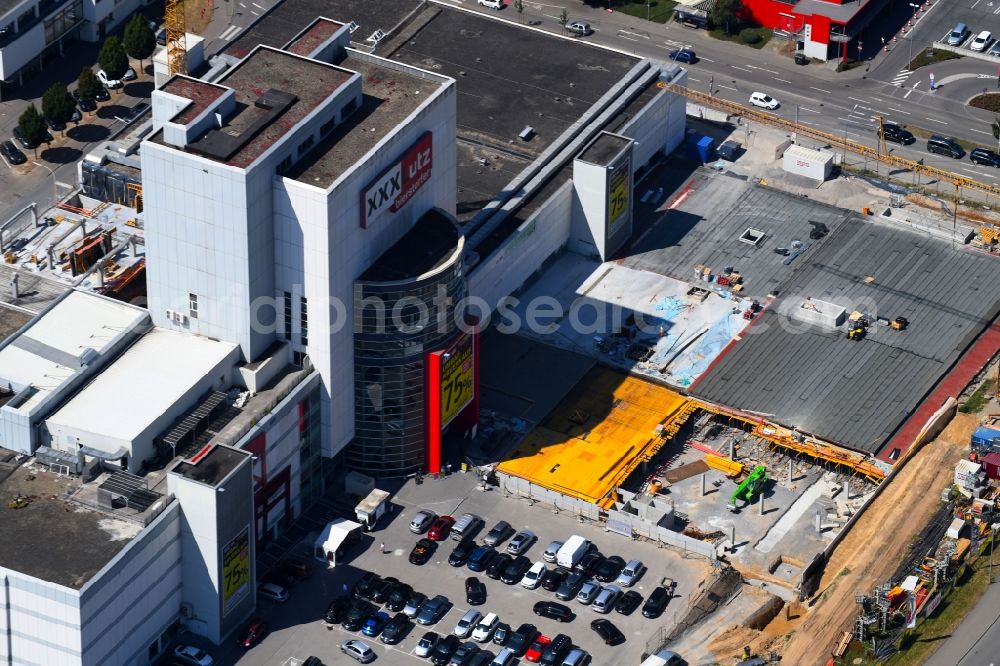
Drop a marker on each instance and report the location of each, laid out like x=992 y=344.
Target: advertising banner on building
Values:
x=397 y=184
x=457 y=379
x=619 y=192
x=235 y=571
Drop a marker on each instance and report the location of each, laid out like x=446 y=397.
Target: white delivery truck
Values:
x=663 y=658
x=572 y=551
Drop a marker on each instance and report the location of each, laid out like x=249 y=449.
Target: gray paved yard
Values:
x=297 y=630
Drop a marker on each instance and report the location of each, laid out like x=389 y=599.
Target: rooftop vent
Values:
x=752 y=236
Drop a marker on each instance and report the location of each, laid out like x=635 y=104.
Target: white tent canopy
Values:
x=338 y=533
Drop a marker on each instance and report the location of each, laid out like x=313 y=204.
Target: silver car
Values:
x=358 y=650
x=607 y=599
x=552 y=551
x=631 y=573
x=413 y=604
x=433 y=610
x=422 y=521
x=467 y=623
x=588 y=592
x=521 y=542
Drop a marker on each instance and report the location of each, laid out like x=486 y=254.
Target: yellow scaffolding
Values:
x=176 y=37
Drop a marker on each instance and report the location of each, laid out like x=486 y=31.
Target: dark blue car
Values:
x=374 y=624
x=684 y=55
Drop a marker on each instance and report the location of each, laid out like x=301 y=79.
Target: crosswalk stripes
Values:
x=901 y=77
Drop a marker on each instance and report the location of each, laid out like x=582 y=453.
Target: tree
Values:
x=563 y=18
x=57 y=104
x=728 y=13
x=519 y=8
x=88 y=85
x=113 y=59
x=140 y=41
x=32 y=127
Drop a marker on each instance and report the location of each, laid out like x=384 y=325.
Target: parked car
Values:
x=440 y=528
x=136 y=111
x=537 y=647
x=897 y=134
x=467 y=622
x=558 y=647
x=553 y=578
x=515 y=570
x=366 y=586
x=588 y=592
x=433 y=610
x=414 y=603
x=280 y=578
x=422 y=521
x=464 y=654
x=481 y=658
x=577 y=657
x=579 y=28
x=475 y=591
x=273 y=592
x=190 y=654
x=628 y=602
x=485 y=628
x=356 y=615
x=683 y=55
x=631 y=573
x=375 y=623
x=995 y=49
x=571 y=585
x=521 y=542
x=497 y=565
x=60 y=126
x=505 y=657
x=981 y=41
x=336 y=611
x=533 y=576
x=590 y=563
x=607 y=599
x=426 y=644
x=498 y=534
x=985 y=157
x=764 y=101
x=358 y=651
x=609 y=569
x=502 y=634
x=398 y=598
x=460 y=554
x=23 y=140
x=608 y=632
x=395 y=629
x=481 y=558
x=553 y=610
x=382 y=592
x=422 y=551
x=296 y=566
x=444 y=649
x=656 y=602
x=522 y=638
x=116 y=83
x=552 y=551
x=12 y=154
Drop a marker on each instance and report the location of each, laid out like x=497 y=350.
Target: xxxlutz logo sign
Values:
x=398 y=183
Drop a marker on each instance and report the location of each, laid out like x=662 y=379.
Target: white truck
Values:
x=371 y=508
x=572 y=551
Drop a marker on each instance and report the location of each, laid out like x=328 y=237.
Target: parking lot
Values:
x=298 y=631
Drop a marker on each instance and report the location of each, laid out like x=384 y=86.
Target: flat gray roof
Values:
x=857 y=393
x=49 y=538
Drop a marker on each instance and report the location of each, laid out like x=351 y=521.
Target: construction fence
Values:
x=663 y=535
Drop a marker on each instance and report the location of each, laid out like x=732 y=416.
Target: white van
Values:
x=663 y=658
x=485 y=628
x=492 y=4
x=467 y=525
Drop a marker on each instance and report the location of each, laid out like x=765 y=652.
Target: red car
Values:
x=534 y=652
x=440 y=528
x=254 y=633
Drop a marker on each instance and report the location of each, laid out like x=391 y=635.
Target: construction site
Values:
x=766 y=370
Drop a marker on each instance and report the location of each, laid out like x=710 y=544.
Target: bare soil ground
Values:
x=875 y=545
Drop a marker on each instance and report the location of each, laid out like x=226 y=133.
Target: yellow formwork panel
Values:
x=607 y=425
x=724 y=465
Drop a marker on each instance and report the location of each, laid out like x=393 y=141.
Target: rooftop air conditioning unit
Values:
x=186 y=611
x=170 y=314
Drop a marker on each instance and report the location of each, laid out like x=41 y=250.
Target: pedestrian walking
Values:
x=381 y=547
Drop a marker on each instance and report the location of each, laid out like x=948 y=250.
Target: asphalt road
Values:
x=976 y=642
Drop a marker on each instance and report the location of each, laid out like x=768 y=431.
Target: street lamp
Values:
x=909 y=38
x=55 y=190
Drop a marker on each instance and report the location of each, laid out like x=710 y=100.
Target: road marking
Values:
x=900 y=78
x=935 y=120
x=631 y=39
x=973 y=7
x=719 y=85
x=806 y=122
x=254 y=13
x=706 y=59
x=898 y=110
x=740 y=68
x=229 y=33
x=769 y=71
x=860 y=101
x=694 y=79
x=981 y=131
x=805 y=108
x=968 y=170
x=634 y=34
x=782 y=80
x=821 y=90
x=257 y=6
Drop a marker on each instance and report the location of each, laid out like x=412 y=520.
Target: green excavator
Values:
x=749 y=488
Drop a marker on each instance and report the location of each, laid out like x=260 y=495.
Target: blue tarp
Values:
x=985 y=437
